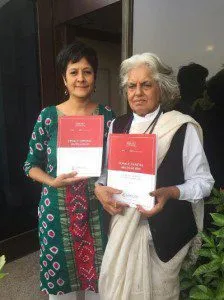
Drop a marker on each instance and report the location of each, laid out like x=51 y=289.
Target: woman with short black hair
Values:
x=71 y=231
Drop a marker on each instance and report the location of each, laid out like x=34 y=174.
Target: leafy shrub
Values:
x=205 y=280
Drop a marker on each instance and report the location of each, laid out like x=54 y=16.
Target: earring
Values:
x=66 y=92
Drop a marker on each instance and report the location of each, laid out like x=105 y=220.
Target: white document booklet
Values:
x=132 y=167
x=80 y=145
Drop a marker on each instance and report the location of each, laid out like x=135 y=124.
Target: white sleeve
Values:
x=198 y=179
x=103 y=177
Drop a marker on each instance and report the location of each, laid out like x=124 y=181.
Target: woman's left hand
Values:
x=161 y=195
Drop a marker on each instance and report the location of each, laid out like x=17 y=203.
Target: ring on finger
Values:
x=115 y=204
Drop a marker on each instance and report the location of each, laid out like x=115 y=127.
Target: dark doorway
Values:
x=31 y=34
x=101 y=29
x=19 y=106
x=99 y=23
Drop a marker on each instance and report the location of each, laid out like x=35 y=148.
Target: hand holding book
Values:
x=161 y=195
x=132 y=168
x=105 y=195
x=66 y=179
x=80 y=145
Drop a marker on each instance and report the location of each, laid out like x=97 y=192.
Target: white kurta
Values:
x=198 y=179
x=131 y=269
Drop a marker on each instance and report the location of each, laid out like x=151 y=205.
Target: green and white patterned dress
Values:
x=71 y=231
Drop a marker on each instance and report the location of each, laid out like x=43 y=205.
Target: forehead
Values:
x=82 y=63
x=140 y=73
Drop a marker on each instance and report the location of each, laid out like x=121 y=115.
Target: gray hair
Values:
x=162 y=74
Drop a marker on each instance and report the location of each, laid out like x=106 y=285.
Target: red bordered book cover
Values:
x=132 y=167
x=80 y=145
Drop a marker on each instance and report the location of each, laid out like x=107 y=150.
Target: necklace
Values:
x=151 y=125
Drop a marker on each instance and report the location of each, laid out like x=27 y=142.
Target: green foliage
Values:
x=2 y=262
x=205 y=280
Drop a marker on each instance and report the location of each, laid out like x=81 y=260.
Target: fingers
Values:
x=121 y=204
x=107 y=190
x=166 y=192
x=115 y=207
x=112 y=206
x=67 y=175
x=113 y=191
x=73 y=180
x=152 y=194
x=149 y=213
x=72 y=176
x=67 y=179
x=113 y=211
x=105 y=196
x=157 y=193
x=80 y=178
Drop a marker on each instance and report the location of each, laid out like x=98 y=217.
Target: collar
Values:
x=148 y=117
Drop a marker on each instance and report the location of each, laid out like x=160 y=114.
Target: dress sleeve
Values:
x=38 y=145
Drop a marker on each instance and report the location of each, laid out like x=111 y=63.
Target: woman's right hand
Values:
x=66 y=179
x=105 y=196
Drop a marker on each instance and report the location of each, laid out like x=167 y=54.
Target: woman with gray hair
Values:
x=146 y=249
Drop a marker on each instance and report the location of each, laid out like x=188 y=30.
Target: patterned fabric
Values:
x=71 y=234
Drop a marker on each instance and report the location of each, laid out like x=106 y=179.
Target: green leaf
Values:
x=212 y=275
x=222 y=268
x=205 y=253
x=216 y=192
x=215 y=254
x=213 y=200
x=220 y=245
x=2 y=261
x=218 y=218
x=220 y=208
x=220 y=291
x=187 y=273
x=210 y=267
x=214 y=284
x=201 y=292
x=186 y=285
x=209 y=241
x=207 y=280
x=3 y=275
x=219 y=233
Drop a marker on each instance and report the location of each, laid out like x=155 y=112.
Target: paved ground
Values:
x=22 y=282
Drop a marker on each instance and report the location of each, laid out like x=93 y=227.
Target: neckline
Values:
x=147 y=117
x=61 y=114
x=151 y=125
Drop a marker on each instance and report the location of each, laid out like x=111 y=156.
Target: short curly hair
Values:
x=162 y=74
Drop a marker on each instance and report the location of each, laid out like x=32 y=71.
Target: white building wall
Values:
x=181 y=31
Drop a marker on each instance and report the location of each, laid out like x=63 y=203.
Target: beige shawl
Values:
x=126 y=267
